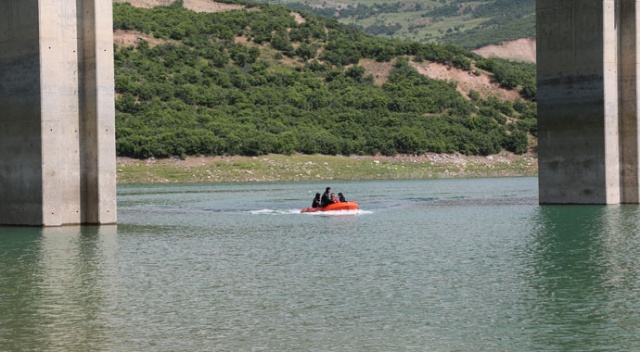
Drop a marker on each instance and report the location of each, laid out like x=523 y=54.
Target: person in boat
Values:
x=341 y=197
x=316 y=201
x=326 y=197
x=334 y=199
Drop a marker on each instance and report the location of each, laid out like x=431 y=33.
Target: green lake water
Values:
x=436 y=265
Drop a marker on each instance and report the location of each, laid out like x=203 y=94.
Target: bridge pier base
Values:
x=587 y=56
x=57 y=114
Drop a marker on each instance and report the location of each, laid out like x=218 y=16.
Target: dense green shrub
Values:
x=201 y=92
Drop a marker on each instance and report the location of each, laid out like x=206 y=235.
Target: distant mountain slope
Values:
x=469 y=23
x=262 y=79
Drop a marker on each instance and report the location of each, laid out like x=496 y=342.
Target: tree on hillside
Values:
x=212 y=87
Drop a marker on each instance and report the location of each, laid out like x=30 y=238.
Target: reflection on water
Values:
x=450 y=265
x=585 y=275
x=55 y=287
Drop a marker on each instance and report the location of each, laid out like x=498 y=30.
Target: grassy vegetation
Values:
x=272 y=168
x=256 y=82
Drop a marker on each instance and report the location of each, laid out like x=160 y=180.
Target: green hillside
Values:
x=255 y=81
x=468 y=23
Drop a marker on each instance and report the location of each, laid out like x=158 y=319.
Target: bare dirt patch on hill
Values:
x=147 y=4
x=130 y=38
x=523 y=49
x=194 y=5
x=466 y=81
x=297 y=17
x=209 y=6
x=378 y=70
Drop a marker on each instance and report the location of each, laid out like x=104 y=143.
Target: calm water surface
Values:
x=439 y=265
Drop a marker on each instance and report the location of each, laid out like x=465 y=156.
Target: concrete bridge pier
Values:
x=588 y=101
x=57 y=114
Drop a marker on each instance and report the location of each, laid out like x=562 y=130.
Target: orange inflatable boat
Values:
x=333 y=207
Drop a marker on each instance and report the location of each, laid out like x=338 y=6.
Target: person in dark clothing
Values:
x=326 y=198
x=316 y=201
x=341 y=197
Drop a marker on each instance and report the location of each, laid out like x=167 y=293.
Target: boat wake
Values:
x=338 y=212
x=274 y=211
x=318 y=213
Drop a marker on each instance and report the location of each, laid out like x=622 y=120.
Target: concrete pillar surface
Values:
x=57 y=115
x=629 y=58
x=587 y=101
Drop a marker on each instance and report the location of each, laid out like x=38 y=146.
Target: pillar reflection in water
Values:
x=57 y=286
x=579 y=280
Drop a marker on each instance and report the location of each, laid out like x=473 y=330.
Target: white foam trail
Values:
x=317 y=213
x=339 y=212
x=274 y=211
